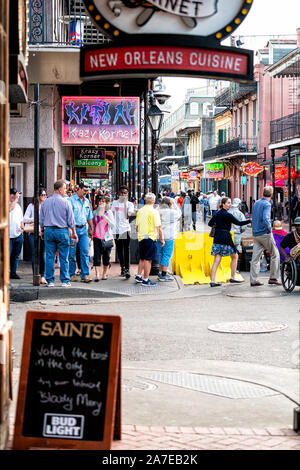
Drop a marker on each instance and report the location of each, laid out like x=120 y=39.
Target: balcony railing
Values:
x=61 y=23
x=235 y=146
x=234 y=92
x=285 y=128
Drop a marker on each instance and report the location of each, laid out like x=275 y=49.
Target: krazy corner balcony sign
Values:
x=169 y=37
x=100 y=120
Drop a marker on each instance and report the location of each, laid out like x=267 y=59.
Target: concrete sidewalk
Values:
x=22 y=290
x=181 y=438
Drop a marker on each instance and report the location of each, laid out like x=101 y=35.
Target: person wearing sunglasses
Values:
x=29 y=221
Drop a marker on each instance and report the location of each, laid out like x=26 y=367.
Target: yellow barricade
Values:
x=192 y=259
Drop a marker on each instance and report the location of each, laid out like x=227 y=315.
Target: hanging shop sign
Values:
x=281 y=173
x=144 y=44
x=210 y=19
x=89 y=157
x=251 y=168
x=193 y=176
x=100 y=120
x=214 y=170
x=138 y=60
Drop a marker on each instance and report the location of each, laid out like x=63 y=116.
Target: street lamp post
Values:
x=154 y=117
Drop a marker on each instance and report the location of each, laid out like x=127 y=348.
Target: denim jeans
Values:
x=83 y=243
x=194 y=219
x=57 y=240
x=15 y=248
x=42 y=254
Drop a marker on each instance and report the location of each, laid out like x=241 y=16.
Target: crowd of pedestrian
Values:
x=76 y=225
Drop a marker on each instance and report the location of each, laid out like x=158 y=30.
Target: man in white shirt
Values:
x=16 y=227
x=122 y=210
x=214 y=203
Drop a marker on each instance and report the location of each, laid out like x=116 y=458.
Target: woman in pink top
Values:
x=279 y=234
x=104 y=223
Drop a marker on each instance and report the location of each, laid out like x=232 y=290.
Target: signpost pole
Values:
x=289 y=187
x=133 y=171
x=139 y=156
x=145 y=147
x=36 y=263
x=273 y=183
x=130 y=175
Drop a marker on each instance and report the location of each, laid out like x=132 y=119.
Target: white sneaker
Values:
x=66 y=284
x=50 y=284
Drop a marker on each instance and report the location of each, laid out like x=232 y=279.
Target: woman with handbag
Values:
x=29 y=228
x=104 y=223
x=223 y=244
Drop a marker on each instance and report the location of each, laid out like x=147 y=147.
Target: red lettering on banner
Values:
x=166 y=58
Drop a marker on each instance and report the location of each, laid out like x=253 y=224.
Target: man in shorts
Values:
x=149 y=229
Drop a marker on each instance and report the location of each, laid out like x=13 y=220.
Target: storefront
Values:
x=219 y=177
x=189 y=180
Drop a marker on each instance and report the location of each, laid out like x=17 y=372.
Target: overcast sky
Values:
x=266 y=18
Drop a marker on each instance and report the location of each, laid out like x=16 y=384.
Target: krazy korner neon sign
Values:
x=100 y=120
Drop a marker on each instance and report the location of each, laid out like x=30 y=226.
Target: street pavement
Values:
x=184 y=386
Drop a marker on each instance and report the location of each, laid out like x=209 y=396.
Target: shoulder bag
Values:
x=213 y=231
x=106 y=244
x=28 y=228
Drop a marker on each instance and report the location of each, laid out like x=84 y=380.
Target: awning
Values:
x=281 y=159
x=171 y=158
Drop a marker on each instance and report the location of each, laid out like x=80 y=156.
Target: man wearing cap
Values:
x=57 y=227
x=16 y=236
x=291 y=241
x=83 y=217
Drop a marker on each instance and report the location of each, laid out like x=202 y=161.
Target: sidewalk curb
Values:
x=27 y=293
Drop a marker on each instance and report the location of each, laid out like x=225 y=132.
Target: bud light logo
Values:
x=63 y=426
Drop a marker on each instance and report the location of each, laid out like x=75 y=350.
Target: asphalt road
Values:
x=168 y=334
x=155 y=328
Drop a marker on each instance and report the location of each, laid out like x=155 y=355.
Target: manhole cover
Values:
x=129 y=385
x=247 y=327
x=221 y=386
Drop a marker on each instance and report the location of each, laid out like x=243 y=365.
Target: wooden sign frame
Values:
x=112 y=417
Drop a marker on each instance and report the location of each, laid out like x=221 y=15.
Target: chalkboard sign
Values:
x=70 y=374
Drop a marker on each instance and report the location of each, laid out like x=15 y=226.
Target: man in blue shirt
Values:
x=83 y=217
x=57 y=227
x=263 y=239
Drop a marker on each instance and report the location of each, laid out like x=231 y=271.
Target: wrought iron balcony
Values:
x=234 y=92
x=285 y=128
x=233 y=147
x=61 y=23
